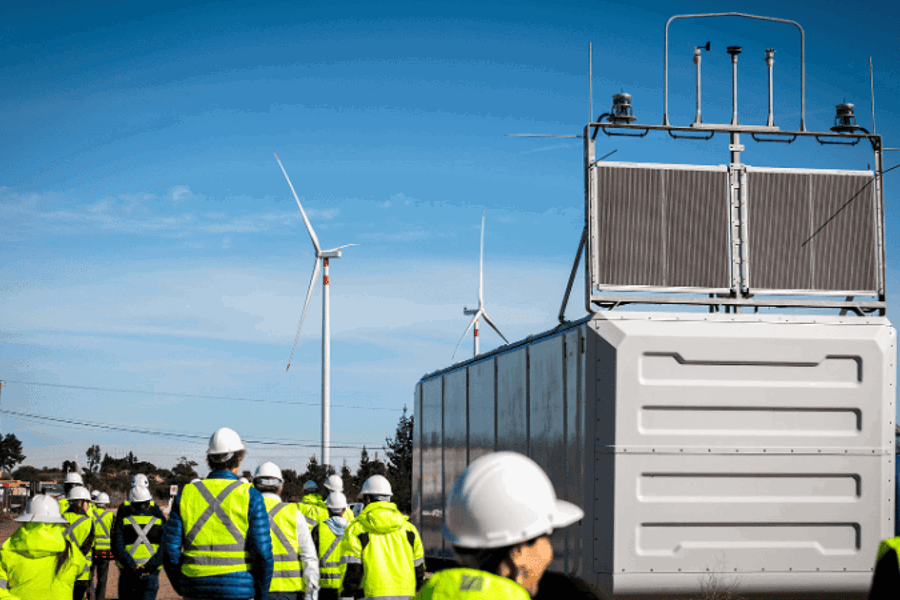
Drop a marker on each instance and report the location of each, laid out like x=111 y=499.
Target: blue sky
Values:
x=150 y=243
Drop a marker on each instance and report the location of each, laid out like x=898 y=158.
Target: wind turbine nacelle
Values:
x=469 y=311
x=330 y=253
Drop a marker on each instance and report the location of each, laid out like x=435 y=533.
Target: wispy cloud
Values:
x=179 y=194
x=137 y=213
x=547 y=148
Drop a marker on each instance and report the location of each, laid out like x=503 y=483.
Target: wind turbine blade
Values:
x=481 y=266
x=312 y=234
x=342 y=247
x=312 y=285
x=491 y=323
x=459 y=343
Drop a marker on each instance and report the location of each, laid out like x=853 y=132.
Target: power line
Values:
x=201 y=396
x=67 y=422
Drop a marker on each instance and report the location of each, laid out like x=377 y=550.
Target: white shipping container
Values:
x=754 y=450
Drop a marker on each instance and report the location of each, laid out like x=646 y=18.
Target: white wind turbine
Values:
x=322 y=255
x=478 y=312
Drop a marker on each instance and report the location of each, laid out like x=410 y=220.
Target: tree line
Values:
x=110 y=474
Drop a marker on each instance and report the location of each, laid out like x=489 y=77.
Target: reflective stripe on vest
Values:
x=4 y=585
x=142 y=550
x=73 y=525
x=283 y=521
x=215 y=543
x=102 y=529
x=331 y=567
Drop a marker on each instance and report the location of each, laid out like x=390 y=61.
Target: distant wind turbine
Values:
x=322 y=255
x=478 y=312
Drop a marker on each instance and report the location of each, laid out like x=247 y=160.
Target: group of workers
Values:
x=230 y=539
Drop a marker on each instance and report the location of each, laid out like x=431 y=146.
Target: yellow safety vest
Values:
x=25 y=573
x=103 y=524
x=313 y=512
x=283 y=520
x=471 y=584
x=80 y=528
x=331 y=567
x=214 y=513
x=142 y=550
x=886 y=545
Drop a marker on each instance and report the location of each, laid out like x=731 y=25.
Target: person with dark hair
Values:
x=38 y=561
x=499 y=517
x=381 y=548
x=135 y=542
x=292 y=544
x=216 y=543
x=81 y=533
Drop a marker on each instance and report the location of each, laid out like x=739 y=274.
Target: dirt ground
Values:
x=112 y=584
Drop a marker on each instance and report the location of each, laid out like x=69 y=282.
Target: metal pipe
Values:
x=872 y=89
x=326 y=369
x=745 y=16
x=698 y=120
x=770 y=60
x=734 y=51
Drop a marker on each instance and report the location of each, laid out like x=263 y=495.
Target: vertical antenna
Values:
x=591 y=82
x=872 y=88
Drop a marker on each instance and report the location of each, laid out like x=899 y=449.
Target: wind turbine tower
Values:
x=323 y=256
x=478 y=312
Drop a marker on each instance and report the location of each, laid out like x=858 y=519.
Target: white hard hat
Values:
x=376 y=485
x=102 y=498
x=310 y=486
x=79 y=493
x=225 y=441
x=140 y=480
x=139 y=494
x=334 y=484
x=42 y=509
x=73 y=477
x=336 y=501
x=94 y=494
x=268 y=470
x=502 y=499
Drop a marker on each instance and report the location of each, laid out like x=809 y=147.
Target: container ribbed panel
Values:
x=811 y=231
x=778 y=224
x=843 y=236
x=661 y=227
x=696 y=229
x=629 y=227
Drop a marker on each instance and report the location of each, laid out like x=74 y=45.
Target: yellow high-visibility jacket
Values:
x=383 y=553
x=28 y=563
x=471 y=584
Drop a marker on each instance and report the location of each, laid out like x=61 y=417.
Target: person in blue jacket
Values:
x=217 y=543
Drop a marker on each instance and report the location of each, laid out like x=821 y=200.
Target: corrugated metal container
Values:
x=745 y=451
